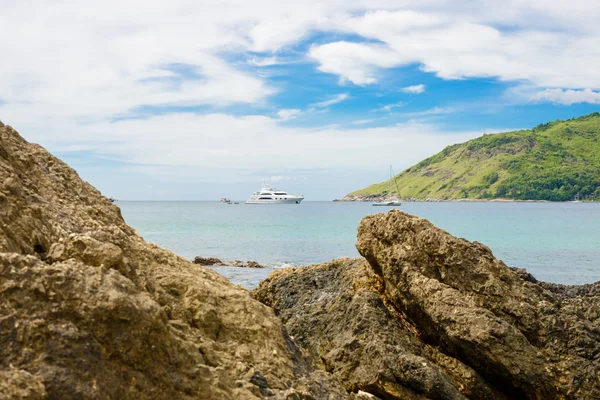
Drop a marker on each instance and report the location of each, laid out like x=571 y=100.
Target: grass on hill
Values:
x=553 y=161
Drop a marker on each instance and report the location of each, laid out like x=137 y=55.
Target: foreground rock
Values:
x=213 y=261
x=90 y=310
x=337 y=312
x=433 y=316
x=536 y=340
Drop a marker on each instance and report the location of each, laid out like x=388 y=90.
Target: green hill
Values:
x=553 y=161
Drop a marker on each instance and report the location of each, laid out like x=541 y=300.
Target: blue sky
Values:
x=177 y=100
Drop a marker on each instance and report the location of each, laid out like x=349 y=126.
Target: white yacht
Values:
x=269 y=195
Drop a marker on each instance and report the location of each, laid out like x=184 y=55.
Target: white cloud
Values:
x=287 y=114
x=208 y=143
x=567 y=97
x=461 y=42
x=70 y=73
x=280 y=178
x=391 y=23
x=117 y=61
x=271 y=34
x=389 y=107
x=355 y=62
x=334 y=100
x=264 y=61
x=61 y=61
x=363 y=121
x=414 y=89
x=431 y=111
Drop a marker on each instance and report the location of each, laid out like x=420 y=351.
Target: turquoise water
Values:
x=556 y=242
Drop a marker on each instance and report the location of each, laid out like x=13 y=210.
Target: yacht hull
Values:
x=388 y=204
x=276 y=201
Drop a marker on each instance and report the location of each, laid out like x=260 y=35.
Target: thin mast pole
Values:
x=395 y=183
x=390 y=192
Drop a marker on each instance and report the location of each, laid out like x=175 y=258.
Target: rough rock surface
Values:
x=20 y=384
x=534 y=340
x=213 y=261
x=207 y=261
x=337 y=312
x=90 y=310
x=433 y=316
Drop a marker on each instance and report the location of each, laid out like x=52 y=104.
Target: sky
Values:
x=197 y=100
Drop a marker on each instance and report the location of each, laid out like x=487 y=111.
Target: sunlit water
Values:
x=556 y=242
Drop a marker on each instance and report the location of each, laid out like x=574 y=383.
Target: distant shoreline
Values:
x=433 y=200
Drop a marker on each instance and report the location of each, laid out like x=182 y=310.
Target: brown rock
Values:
x=254 y=264
x=529 y=339
x=212 y=261
x=337 y=312
x=90 y=310
x=429 y=315
x=207 y=261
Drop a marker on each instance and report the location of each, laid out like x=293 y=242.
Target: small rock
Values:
x=213 y=261
x=207 y=261
x=254 y=264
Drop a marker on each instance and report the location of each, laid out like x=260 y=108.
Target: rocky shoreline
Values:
x=88 y=309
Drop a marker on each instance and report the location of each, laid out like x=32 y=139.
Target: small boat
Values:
x=390 y=203
x=225 y=200
x=387 y=203
x=269 y=195
x=112 y=199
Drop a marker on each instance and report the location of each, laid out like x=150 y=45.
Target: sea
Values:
x=556 y=242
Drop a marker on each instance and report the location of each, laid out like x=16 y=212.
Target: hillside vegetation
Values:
x=553 y=161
